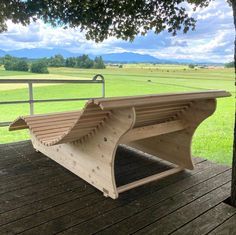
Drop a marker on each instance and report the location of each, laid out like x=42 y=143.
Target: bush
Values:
x=57 y=61
x=39 y=67
x=84 y=62
x=16 y=65
x=191 y=66
x=229 y=65
x=8 y=66
x=98 y=63
x=22 y=65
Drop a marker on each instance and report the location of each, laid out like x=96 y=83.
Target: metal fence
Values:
x=31 y=101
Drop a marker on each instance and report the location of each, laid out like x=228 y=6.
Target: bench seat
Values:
x=85 y=141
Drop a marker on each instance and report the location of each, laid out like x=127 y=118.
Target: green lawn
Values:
x=213 y=140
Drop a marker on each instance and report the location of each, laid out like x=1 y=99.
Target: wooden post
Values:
x=31 y=98
x=233 y=185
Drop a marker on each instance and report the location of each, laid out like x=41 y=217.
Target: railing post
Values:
x=103 y=83
x=103 y=89
x=31 y=98
x=233 y=183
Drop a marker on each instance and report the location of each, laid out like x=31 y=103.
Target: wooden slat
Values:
x=208 y=92
x=157 y=114
x=49 y=131
x=124 y=102
x=165 y=105
x=154 y=118
x=54 y=115
x=56 y=126
x=161 y=110
x=50 y=124
x=51 y=135
x=31 y=120
x=148 y=179
x=152 y=130
x=51 y=121
x=154 y=122
x=70 y=123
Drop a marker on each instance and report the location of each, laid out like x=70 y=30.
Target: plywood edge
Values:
x=18 y=124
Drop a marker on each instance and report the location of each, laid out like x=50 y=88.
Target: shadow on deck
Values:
x=38 y=196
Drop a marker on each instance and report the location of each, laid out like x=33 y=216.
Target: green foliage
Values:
x=98 y=63
x=191 y=66
x=39 y=67
x=14 y=64
x=100 y=19
x=85 y=62
x=56 y=61
x=70 y=62
x=229 y=65
x=22 y=65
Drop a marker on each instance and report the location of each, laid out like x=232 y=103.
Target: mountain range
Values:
x=124 y=57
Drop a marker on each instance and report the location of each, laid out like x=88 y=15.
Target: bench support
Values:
x=173 y=144
x=149 y=179
x=92 y=157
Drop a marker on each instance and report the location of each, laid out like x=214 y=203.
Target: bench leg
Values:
x=92 y=158
x=175 y=147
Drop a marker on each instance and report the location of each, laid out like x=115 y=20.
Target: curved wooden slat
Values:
x=60 y=127
x=133 y=101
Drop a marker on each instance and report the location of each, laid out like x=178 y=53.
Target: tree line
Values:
x=40 y=66
x=229 y=65
x=12 y=63
x=82 y=61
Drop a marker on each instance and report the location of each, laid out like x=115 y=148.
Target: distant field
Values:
x=213 y=140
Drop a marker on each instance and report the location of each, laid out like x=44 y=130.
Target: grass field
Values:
x=213 y=140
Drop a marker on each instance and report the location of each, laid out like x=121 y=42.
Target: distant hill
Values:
x=124 y=57
x=129 y=57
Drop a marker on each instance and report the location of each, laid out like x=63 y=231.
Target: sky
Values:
x=212 y=40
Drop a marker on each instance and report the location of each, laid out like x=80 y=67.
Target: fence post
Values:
x=103 y=88
x=31 y=98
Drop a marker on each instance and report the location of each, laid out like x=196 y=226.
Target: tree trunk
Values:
x=233 y=186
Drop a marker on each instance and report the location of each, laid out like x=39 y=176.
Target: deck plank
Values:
x=214 y=217
x=144 y=211
x=115 y=209
x=38 y=196
x=227 y=228
x=182 y=216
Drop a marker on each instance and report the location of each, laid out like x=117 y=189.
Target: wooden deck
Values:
x=38 y=196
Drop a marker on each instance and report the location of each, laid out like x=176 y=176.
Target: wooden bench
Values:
x=85 y=141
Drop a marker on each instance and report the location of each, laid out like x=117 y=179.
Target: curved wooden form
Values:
x=85 y=141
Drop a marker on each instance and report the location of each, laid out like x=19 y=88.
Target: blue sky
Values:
x=211 y=41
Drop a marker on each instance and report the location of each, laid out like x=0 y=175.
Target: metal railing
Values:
x=95 y=80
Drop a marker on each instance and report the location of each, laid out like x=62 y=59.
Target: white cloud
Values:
x=212 y=40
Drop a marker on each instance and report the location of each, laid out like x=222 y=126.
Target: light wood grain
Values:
x=85 y=141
